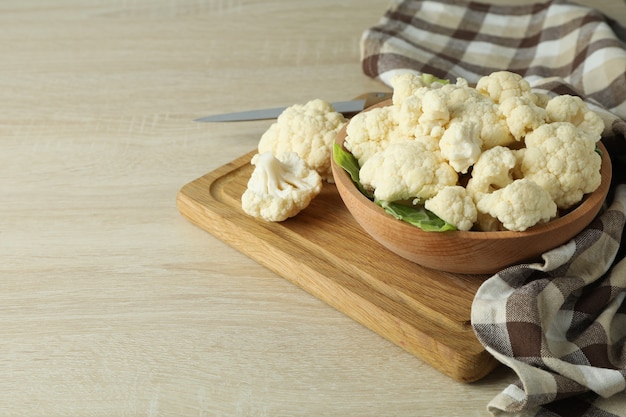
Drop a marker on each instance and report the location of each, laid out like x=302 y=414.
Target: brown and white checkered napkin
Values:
x=559 y=324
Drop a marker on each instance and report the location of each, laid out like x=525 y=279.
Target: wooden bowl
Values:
x=468 y=252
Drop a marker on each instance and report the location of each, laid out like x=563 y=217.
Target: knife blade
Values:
x=347 y=108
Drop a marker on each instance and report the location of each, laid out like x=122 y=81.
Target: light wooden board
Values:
x=325 y=252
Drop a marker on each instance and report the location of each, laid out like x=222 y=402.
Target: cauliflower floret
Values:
x=493 y=171
x=431 y=144
x=435 y=114
x=406 y=170
x=522 y=115
x=405 y=85
x=457 y=96
x=370 y=132
x=462 y=82
x=501 y=85
x=467 y=104
x=539 y=98
x=426 y=112
x=279 y=187
x=460 y=145
x=309 y=130
x=573 y=109
x=408 y=84
x=408 y=114
x=519 y=205
x=562 y=159
x=493 y=128
x=454 y=205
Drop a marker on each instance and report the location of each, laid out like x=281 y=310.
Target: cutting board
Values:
x=324 y=251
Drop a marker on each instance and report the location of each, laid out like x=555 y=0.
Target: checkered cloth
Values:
x=559 y=324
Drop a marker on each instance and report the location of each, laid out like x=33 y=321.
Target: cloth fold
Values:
x=559 y=324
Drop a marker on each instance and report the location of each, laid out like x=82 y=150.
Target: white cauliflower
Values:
x=279 y=187
x=573 y=109
x=519 y=155
x=501 y=85
x=420 y=101
x=539 y=98
x=435 y=114
x=467 y=104
x=408 y=115
x=409 y=84
x=406 y=170
x=458 y=95
x=522 y=115
x=454 y=205
x=405 y=85
x=461 y=145
x=562 y=159
x=370 y=132
x=493 y=129
x=307 y=129
x=428 y=111
x=493 y=171
x=431 y=144
x=519 y=206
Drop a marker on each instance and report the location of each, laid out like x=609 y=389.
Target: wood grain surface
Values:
x=324 y=251
x=111 y=302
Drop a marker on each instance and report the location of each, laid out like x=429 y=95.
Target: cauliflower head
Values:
x=573 y=109
x=307 y=129
x=429 y=110
x=410 y=84
x=425 y=113
x=458 y=95
x=519 y=205
x=467 y=104
x=435 y=113
x=279 y=187
x=522 y=115
x=501 y=85
x=454 y=205
x=370 y=132
x=461 y=145
x=407 y=170
x=562 y=159
x=492 y=171
x=405 y=85
x=493 y=129
x=408 y=114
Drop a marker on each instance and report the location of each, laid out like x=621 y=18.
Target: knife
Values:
x=347 y=108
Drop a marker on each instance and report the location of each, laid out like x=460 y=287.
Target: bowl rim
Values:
x=589 y=200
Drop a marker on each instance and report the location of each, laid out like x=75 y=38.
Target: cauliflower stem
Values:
x=279 y=187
